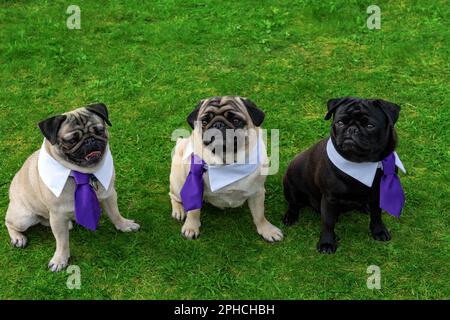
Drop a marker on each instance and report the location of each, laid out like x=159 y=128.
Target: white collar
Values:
x=221 y=176
x=362 y=171
x=54 y=174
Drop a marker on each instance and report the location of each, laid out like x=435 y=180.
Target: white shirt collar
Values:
x=54 y=174
x=221 y=176
x=362 y=171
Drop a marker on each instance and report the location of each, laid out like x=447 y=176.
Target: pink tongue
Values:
x=93 y=154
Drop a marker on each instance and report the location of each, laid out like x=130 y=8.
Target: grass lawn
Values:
x=151 y=64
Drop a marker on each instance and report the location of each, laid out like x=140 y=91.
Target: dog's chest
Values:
x=66 y=201
x=235 y=194
x=356 y=195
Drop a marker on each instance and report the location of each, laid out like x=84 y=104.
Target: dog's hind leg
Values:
x=295 y=203
x=291 y=215
x=18 y=220
x=18 y=239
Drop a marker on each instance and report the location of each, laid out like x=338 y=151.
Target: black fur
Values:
x=50 y=127
x=312 y=179
x=391 y=110
x=192 y=117
x=101 y=110
x=255 y=113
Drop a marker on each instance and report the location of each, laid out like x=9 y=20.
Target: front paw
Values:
x=126 y=225
x=380 y=232
x=191 y=229
x=327 y=244
x=58 y=263
x=269 y=232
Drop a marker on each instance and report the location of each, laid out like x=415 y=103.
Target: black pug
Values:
x=362 y=131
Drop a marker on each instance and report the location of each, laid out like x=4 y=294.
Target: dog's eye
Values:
x=71 y=140
x=99 y=130
x=340 y=123
x=370 y=126
x=236 y=121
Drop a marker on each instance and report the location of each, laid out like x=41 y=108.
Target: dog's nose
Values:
x=89 y=141
x=352 y=130
x=219 y=125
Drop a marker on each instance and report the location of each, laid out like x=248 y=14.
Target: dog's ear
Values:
x=391 y=135
x=255 y=113
x=391 y=110
x=101 y=110
x=194 y=114
x=333 y=104
x=50 y=127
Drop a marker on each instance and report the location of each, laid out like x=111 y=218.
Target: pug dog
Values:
x=44 y=189
x=342 y=172
x=223 y=182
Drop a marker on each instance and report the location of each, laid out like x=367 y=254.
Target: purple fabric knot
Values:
x=392 y=197
x=192 y=190
x=87 y=207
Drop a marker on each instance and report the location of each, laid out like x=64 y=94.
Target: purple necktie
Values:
x=192 y=190
x=87 y=207
x=392 y=198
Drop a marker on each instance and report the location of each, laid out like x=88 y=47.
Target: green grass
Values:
x=151 y=64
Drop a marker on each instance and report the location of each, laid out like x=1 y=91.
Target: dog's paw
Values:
x=58 y=263
x=191 y=229
x=327 y=244
x=178 y=212
x=380 y=233
x=289 y=219
x=269 y=232
x=326 y=247
x=126 y=225
x=19 y=240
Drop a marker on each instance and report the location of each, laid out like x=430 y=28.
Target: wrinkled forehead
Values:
x=219 y=105
x=361 y=109
x=80 y=119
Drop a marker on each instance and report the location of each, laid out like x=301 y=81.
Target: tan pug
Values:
x=222 y=114
x=43 y=189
